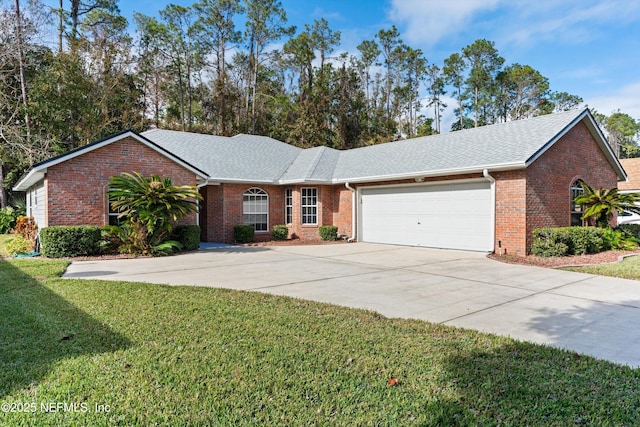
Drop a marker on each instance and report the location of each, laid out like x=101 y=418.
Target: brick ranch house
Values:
x=482 y=189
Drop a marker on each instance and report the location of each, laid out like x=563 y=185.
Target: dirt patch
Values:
x=607 y=257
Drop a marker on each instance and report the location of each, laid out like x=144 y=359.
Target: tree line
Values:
x=74 y=74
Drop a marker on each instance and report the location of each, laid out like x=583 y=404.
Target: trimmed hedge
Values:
x=70 y=241
x=279 y=232
x=328 y=232
x=243 y=233
x=188 y=236
x=563 y=241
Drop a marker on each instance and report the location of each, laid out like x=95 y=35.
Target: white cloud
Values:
x=329 y=16
x=447 y=117
x=569 y=21
x=429 y=21
x=626 y=99
x=518 y=22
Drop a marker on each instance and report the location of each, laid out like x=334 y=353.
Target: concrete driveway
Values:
x=594 y=315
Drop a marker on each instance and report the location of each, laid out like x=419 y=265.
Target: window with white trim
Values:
x=309 y=205
x=576 y=209
x=288 y=206
x=255 y=209
x=112 y=213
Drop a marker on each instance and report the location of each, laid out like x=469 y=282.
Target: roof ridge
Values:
x=316 y=161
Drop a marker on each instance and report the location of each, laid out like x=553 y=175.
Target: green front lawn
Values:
x=629 y=268
x=135 y=354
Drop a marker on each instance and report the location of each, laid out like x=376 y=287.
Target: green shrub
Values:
x=70 y=241
x=630 y=230
x=279 y=232
x=110 y=239
x=243 y=233
x=328 y=232
x=618 y=239
x=18 y=245
x=550 y=242
x=8 y=218
x=587 y=240
x=564 y=241
x=188 y=236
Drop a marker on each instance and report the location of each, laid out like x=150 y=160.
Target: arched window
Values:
x=576 y=209
x=255 y=209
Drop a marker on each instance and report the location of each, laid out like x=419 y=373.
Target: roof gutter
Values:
x=444 y=172
x=354 y=205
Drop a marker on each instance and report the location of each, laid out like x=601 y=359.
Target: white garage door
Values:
x=452 y=216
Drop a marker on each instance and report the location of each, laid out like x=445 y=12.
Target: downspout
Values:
x=198 y=187
x=492 y=182
x=354 y=198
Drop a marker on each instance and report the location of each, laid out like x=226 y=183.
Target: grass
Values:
x=629 y=268
x=132 y=354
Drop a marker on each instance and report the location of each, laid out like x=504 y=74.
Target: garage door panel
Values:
x=455 y=216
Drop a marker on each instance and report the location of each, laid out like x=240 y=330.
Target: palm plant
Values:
x=149 y=207
x=600 y=205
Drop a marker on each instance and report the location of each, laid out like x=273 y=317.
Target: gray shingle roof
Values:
x=313 y=164
x=239 y=158
x=511 y=143
x=260 y=159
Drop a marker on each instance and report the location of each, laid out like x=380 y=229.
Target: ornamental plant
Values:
x=27 y=228
x=8 y=216
x=149 y=207
x=600 y=205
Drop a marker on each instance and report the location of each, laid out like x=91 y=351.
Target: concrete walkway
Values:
x=593 y=315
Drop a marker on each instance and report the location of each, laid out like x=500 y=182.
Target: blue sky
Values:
x=589 y=48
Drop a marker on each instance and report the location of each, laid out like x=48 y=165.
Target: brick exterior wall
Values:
x=224 y=209
x=575 y=156
x=76 y=189
x=525 y=199
x=342 y=212
x=511 y=212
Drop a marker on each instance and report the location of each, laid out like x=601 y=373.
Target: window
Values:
x=309 y=205
x=288 y=206
x=576 y=210
x=255 y=209
x=113 y=213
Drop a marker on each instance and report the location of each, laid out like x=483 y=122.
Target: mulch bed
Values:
x=294 y=242
x=607 y=257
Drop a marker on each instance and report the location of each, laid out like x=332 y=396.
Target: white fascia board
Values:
x=601 y=140
x=217 y=180
x=555 y=139
x=432 y=174
x=598 y=136
x=40 y=170
x=33 y=177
